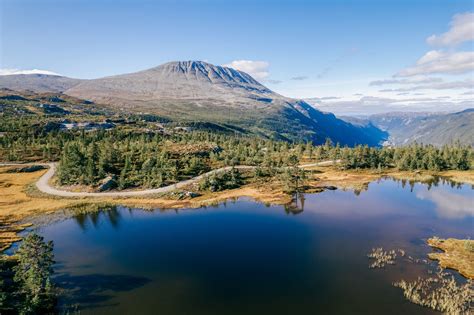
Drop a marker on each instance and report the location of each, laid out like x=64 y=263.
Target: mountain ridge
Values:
x=200 y=91
x=427 y=128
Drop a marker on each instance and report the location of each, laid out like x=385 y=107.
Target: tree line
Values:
x=133 y=158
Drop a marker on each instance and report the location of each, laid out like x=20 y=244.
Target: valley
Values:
x=430 y=128
x=79 y=150
x=209 y=157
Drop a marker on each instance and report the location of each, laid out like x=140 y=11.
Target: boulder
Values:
x=107 y=183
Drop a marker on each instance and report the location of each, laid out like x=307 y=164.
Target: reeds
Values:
x=440 y=292
x=382 y=258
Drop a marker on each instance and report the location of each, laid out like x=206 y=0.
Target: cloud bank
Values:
x=367 y=105
x=33 y=71
x=462 y=30
x=439 y=62
x=257 y=69
x=453 y=85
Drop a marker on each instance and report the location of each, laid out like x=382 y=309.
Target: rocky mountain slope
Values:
x=428 y=128
x=199 y=91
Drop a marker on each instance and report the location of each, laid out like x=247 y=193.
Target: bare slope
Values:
x=37 y=82
x=199 y=91
x=196 y=90
x=436 y=129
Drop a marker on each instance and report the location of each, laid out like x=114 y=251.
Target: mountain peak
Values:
x=202 y=70
x=187 y=64
x=199 y=91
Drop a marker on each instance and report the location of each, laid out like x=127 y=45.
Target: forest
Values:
x=134 y=158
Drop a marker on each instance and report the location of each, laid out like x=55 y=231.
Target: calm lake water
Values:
x=246 y=258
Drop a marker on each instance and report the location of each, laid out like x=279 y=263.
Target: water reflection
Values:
x=296 y=206
x=95 y=290
x=111 y=214
x=243 y=258
x=432 y=181
x=448 y=204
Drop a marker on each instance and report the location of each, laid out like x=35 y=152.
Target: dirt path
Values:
x=43 y=183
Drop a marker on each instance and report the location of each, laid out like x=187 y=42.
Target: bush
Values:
x=222 y=181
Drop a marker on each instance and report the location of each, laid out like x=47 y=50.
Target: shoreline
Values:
x=23 y=201
x=455 y=254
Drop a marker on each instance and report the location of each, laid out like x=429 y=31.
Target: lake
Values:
x=244 y=257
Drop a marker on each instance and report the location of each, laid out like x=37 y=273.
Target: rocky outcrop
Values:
x=107 y=183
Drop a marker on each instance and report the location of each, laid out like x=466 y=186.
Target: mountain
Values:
x=199 y=91
x=37 y=82
x=428 y=128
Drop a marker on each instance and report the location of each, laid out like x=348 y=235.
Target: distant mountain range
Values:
x=39 y=83
x=199 y=91
x=428 y=128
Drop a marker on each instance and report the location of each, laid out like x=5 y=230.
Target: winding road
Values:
x=43 y=182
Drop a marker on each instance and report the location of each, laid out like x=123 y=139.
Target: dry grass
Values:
x=457 y=254
x=440 y=292
x=347 y=180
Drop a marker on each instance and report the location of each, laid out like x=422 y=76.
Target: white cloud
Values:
x=33 y=71
x=414 y=80
x=372 y=105
x=313 y=100
x=300 y=78
x=462 y=30
x=257 y=69
x=466 y=84
x=436 y=61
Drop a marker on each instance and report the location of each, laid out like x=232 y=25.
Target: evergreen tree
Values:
x=123 y=181
x=33 y=273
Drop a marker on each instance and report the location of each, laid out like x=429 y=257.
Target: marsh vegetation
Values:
x=440 y=290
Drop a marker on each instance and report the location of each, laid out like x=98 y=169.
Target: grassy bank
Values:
x=457 y=255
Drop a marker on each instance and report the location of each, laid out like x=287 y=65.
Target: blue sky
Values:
x=306 y=49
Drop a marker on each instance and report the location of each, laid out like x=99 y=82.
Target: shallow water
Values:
x=247 y=258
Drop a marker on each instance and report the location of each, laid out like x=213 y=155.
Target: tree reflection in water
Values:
x=296 y=206
x=111 y=214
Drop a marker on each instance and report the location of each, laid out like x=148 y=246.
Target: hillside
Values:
x=428 y=128
x=198 y=91
x=37 y=82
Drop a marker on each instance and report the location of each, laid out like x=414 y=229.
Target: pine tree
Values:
x=123 y=181
x=33 y=272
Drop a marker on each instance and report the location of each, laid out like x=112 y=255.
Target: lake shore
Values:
x=22 y=201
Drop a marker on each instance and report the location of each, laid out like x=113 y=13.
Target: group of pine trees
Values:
x=408 y=158
x=148 y=160
x=133 y=158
